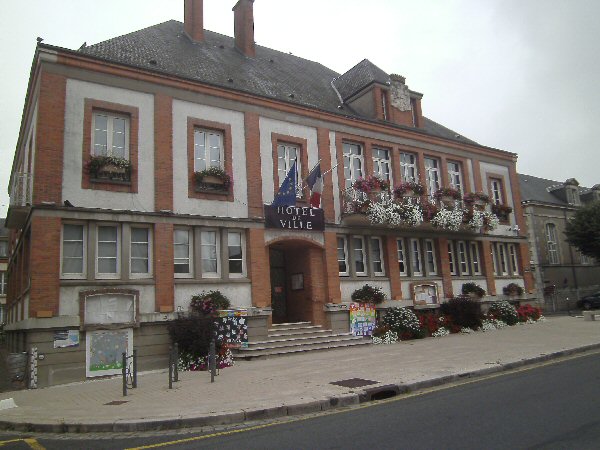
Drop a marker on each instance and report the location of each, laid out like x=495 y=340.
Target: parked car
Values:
x=590 y=301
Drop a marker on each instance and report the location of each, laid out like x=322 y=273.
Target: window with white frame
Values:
x=402 y=262
x=552 y=244
x=514 y=260
x=382 y=163
x=3 y=249
x=73 y=251
x=430 y=259
x=107 y=251
x=463 y=263
x=111 y=135
x=140 y=260
x=182 y=247
x=497 y=194
x=235 y=246
x=208 y=149
x=209 y=251
x=475 y=262
x=494 y=259
x=342 y=255
x=3 y=280
x=358 y=249
x=503 y=260
x=353 y=163
x=432 y=175
x=377 y=256
x=455 y=176
x=287 y=155
x=408 y=167
x=452 y=259
x=415 y=258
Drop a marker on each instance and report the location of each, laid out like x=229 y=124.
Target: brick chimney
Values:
x=243 y=13
x=194 y=20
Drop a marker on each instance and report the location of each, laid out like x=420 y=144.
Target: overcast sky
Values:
x=519 y=75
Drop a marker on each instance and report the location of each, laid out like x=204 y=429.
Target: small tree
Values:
x=583 y=230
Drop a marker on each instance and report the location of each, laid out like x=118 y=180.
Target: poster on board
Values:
x=104 y=349
x=66 y=338
x=362 y=319
x=232 y=328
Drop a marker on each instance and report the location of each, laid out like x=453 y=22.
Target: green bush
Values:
x=468 y=288
x=404 y=322
x=463 y=312
x=368 y=294
x=209 y=302
x=192 y=334
x=505 y=312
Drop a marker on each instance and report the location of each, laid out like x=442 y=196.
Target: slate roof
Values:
x=539 y=190
x=164 y=48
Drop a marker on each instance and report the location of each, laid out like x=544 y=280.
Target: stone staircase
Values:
x=294 y=338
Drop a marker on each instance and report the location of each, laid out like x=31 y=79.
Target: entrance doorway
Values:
x=278 y=285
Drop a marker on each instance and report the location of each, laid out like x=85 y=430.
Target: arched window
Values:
x=552 y=244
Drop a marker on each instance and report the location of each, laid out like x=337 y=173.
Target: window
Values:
x=139 y=259
x=182 y=245
x=551 y=244
x=503 y=259
x=452 y=259
x=497 y=193
x=463 y=263
x=408 y=167
x=585 y=259
x=287 y=155
x=73 y=251
x=432 y=175
x=381 y=163
x=376 y=258
x=208 y=149
x=235 y=245
x=401 y=256
x=353 y=163
x=107 y=254
x=209 y=249
x=359 y=255
x=415 y=257
x=341 y=256
x=3 y=249
x=110 y=135
x=455 y=176
x=475 y=264
x=514 y=261
x=494 y=259
x=3 y=280
x=430 y=257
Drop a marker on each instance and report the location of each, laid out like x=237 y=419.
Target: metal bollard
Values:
x=124 y=373
x=170 y=368
x=134 y=384
x=176 y=362
x=212 y=361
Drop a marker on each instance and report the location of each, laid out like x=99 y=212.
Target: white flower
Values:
x=487 y=325
x=466 y=330
x=491 y=220
x=441 y=332
x=476 y=221
x=450 y=219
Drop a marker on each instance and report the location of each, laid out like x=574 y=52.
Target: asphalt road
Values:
x=555 y=406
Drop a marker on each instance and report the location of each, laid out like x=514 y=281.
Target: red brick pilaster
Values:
x=528 y=278
x=444 y=261
x=163 y=152
x=47 y=182
x=393 y=268
x=488 y=267
x=163 y=267
x=477 y=176
x=44 y=293
x=328 y=187
x=334 y=293
x=259 y=270
x=253 y=165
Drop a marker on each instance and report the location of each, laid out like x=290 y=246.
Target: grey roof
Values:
x=539 y=190
x=3 y=231
x=360 y=76
x=164 y=48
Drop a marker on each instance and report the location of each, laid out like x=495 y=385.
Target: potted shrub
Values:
x=409 y=189
x=473 y=290
x=502 y=211
x=369 y=294
x=213 y=178
x=207 y=302
x=512 y=290
x=109 y=168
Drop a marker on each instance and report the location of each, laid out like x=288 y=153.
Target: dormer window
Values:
x=572 y=195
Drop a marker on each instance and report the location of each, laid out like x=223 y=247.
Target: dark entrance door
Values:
x=278 y=288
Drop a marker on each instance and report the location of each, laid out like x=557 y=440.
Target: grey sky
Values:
x=519 y=75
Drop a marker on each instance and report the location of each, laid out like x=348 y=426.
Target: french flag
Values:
x=315 y=184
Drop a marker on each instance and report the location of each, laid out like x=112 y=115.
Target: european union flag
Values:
x=287 y=191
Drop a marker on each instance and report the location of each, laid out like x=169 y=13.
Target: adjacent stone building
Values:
x=146 y=165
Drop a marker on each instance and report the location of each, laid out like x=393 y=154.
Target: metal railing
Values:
x=129 y=371
x=173 y=365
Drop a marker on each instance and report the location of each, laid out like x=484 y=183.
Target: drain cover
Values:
x=354 y=382
x=115 y=402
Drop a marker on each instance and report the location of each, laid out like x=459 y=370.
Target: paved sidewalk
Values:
x=291 y=385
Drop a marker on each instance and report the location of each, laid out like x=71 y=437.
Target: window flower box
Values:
x=448 y=196
x=371 y=184
x=409 y=189
x=502 y=211
x=212 y=179
x=476 y=200
x=109 y=168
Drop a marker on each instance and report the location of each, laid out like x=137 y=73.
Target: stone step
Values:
x=291 y=325
x=294 y=341
x=294 y=329
x=245 y=354
x=297 y=333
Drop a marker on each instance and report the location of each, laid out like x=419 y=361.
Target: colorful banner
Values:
x=362 y=319
x=232 y=328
